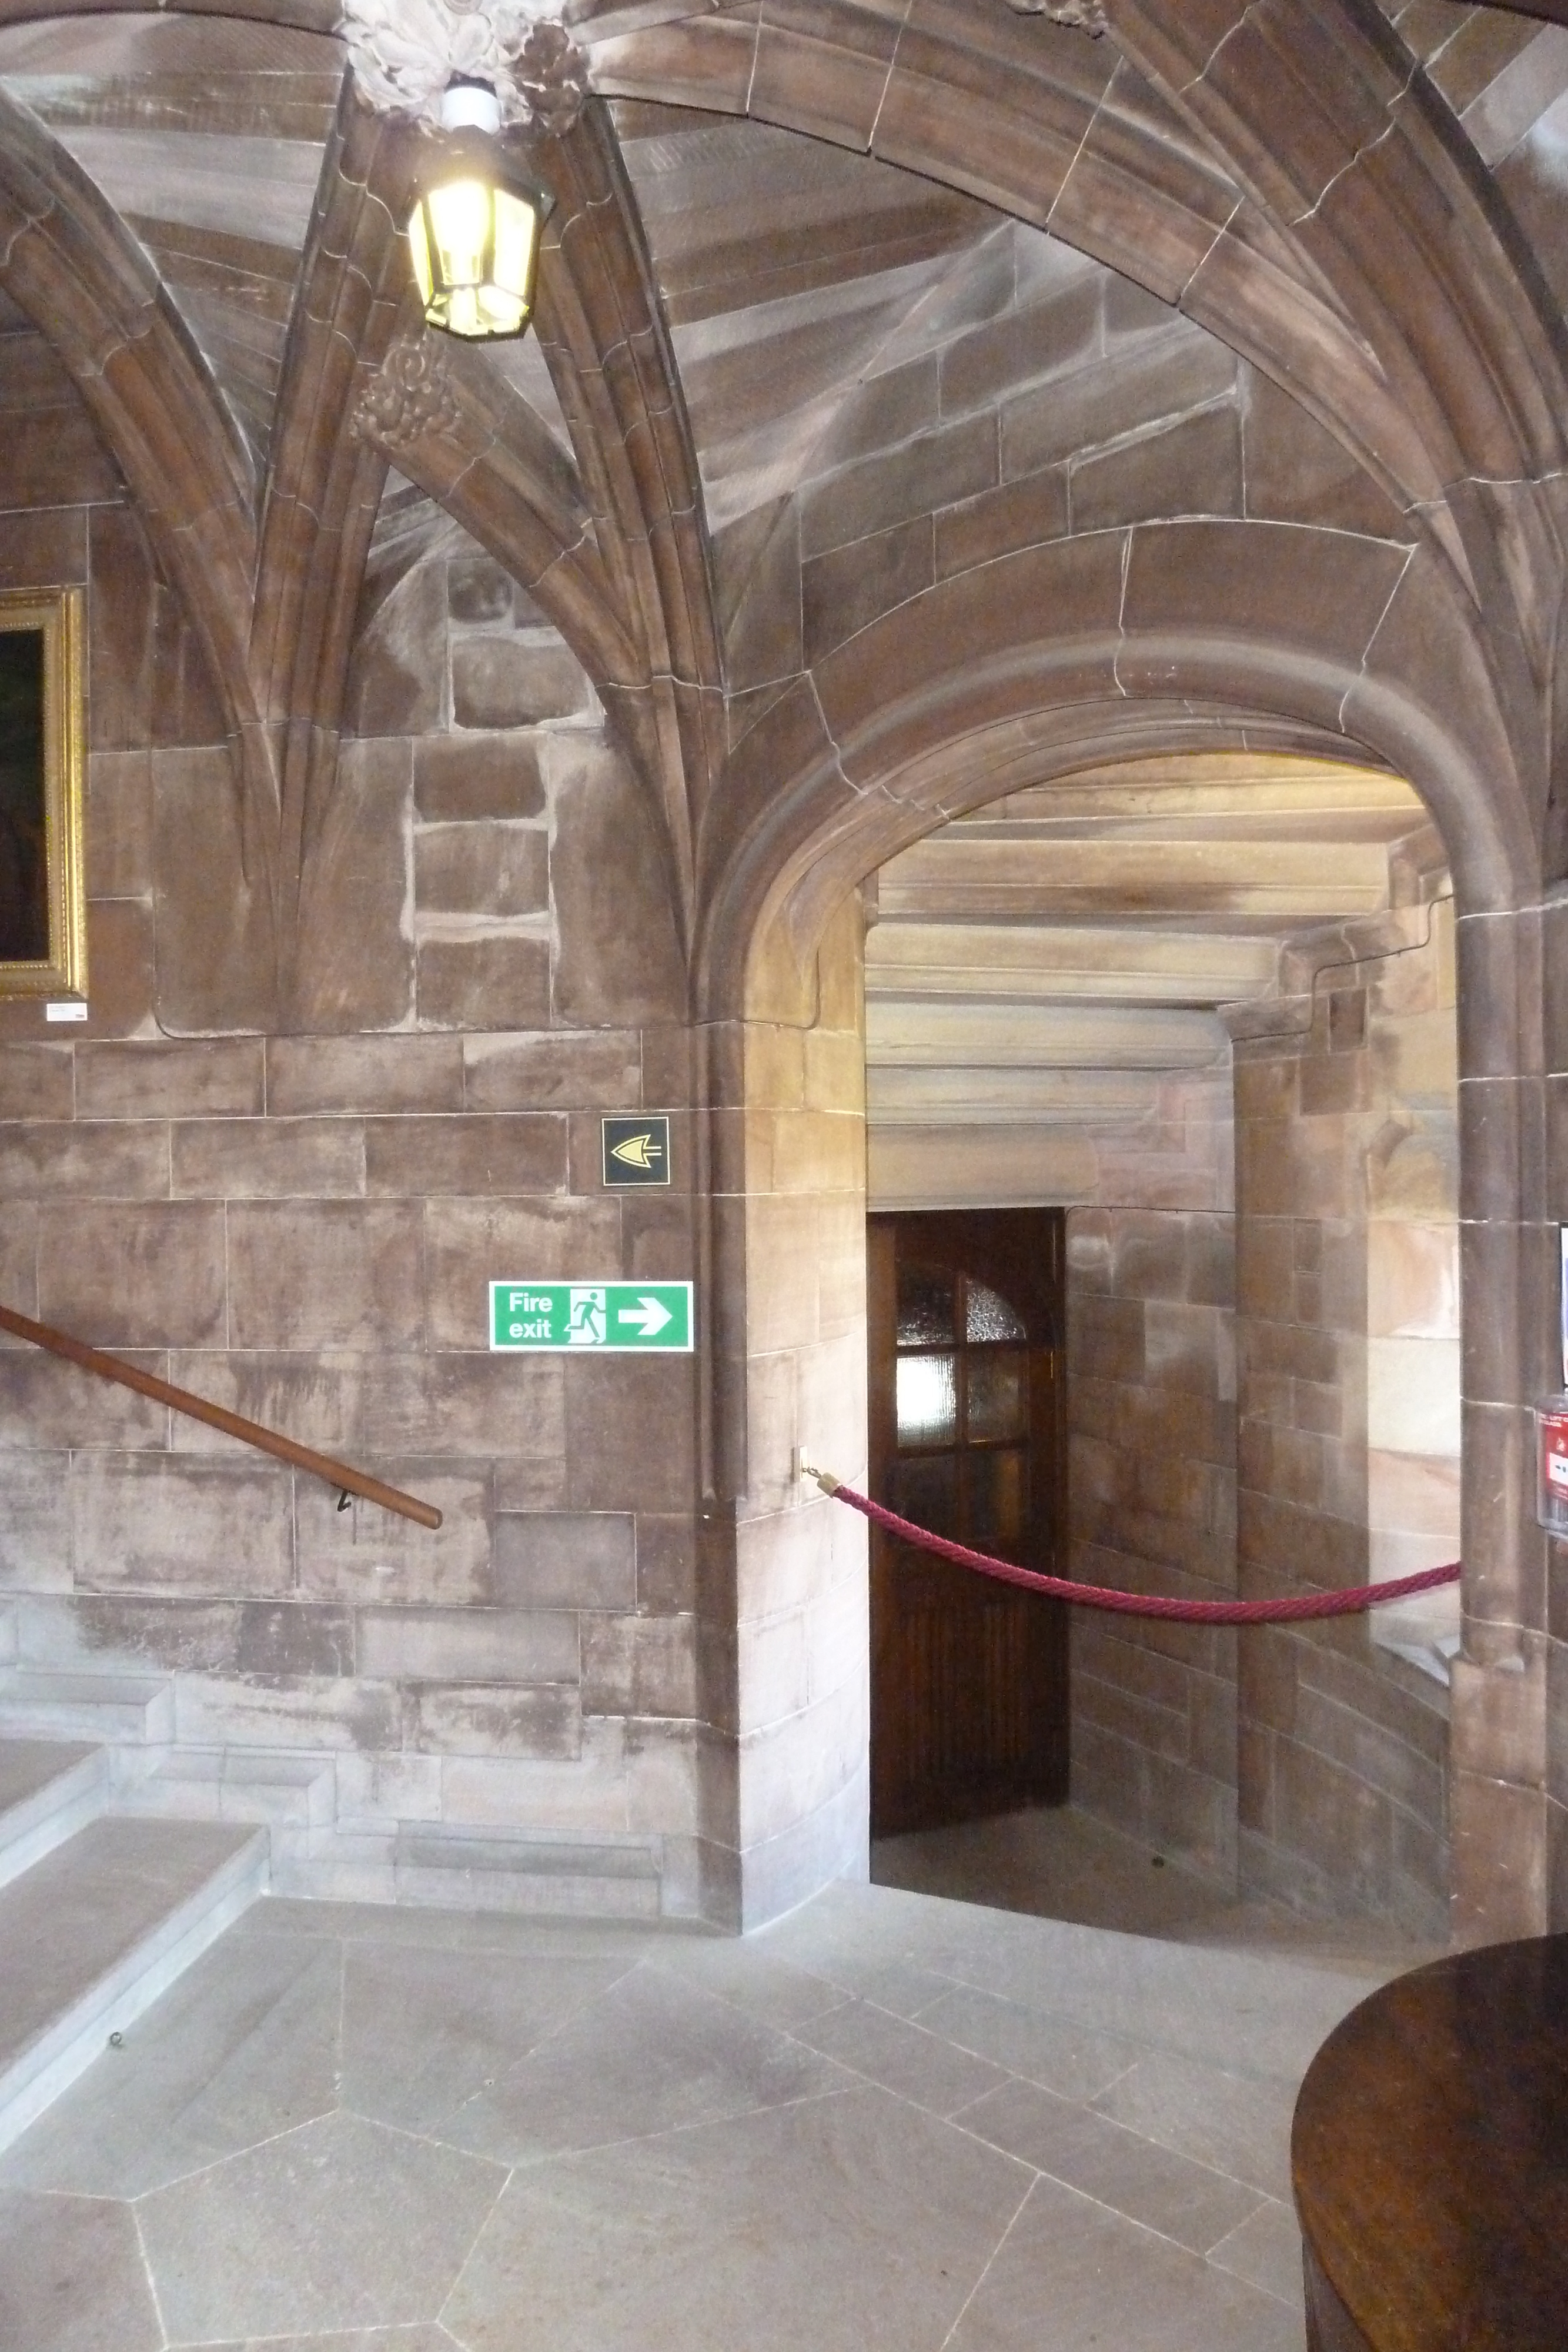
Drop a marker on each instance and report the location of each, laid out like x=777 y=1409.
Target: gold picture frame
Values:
x=42 y=889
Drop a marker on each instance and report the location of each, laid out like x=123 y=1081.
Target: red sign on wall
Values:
x=1552 y=1464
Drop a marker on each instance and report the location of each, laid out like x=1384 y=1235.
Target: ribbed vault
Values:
x=896 y=382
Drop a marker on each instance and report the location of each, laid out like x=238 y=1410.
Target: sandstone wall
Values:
x=791 y=1309
x=1269 y=1401
x=300 y=1218
x=303 y=1225
x=1347 y=1124
x=1151 y=1390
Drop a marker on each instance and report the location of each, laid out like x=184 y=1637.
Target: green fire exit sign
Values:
x=606 y=1317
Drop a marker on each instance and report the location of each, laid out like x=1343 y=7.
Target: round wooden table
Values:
x=1430 y=2160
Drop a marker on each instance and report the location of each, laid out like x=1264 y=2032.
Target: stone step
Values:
x=94 y=1932
x=477 y=1871
x=233 y=1784
x=48 y=1790
x=135 y=1710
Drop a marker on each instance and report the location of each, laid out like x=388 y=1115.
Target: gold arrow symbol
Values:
x=637 y=1152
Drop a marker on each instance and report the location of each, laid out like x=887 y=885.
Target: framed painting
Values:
x=43 y=905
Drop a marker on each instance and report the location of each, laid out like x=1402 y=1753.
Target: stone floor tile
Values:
x=1253 y=2011
x=902 y=1987
x=1226 y=2010
x=1266 y=2250
x=1229 y=2121
x=851 y=2223
x=1064 y=2057
x=1057 y=1862
x=72 y=2278
x=866 y=1927
x=736 y=1971
x=459 y=1931
x=1186 y=2201
x=341 y=2224
x=422 y=2337
x=242 y=2047
x=650 y=2055
x=716 y=2179
x=1078 y=2279
x=425 y=2028
x=861 y=1951
x=902 y=2057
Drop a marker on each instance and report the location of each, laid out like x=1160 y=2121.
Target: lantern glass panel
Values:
x=419 y=249
x=516 y=232
x=459 y=216
x=474 y=249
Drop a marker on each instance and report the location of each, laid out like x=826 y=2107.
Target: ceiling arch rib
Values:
x=324 y=482
x=603 y=334
x=1308 y=113
x=449 y=423
x=352 y=280
x=208 y=137
x=273 y=595
x=1285 y=628
x=70 y=263
x=1045 y=125
x=1378 y=183
x=613 y=547
x=1403 y=368
x=300 y=16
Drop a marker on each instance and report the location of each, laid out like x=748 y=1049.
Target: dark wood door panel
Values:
x=969 y=1677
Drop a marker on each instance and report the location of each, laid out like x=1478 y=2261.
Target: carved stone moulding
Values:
x=409 y=395
x=1084 y=15
x=552 y=75
x=405 y=53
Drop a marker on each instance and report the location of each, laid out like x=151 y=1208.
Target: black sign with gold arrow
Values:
x=637 y=1150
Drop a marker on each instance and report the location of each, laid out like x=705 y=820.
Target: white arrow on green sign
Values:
x=602 y=1318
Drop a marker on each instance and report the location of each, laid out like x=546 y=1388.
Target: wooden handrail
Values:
x=216 y=1416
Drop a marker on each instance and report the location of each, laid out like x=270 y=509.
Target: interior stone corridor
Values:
x=888 y=2123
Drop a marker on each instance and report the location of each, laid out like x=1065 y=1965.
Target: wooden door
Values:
x=968 y=1677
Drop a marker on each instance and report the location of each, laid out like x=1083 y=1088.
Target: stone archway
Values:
x=787 y=1091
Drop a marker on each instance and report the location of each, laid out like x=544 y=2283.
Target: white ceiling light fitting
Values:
x=466 y=69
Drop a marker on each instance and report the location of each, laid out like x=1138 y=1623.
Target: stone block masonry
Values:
x=303 y=1226
x=1151 y=1400
x=1265 y=1400
x=1347 y=1200
x=1013 y=439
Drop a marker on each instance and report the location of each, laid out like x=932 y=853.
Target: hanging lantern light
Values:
x=475 y=230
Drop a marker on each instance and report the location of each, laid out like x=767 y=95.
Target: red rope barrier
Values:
x=1345 y=1604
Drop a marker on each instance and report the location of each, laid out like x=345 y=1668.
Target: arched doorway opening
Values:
x=795 y=901
x=1205 y=1007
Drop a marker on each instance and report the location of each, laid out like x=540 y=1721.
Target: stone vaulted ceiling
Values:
x=207 y=137
x=926 y=404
